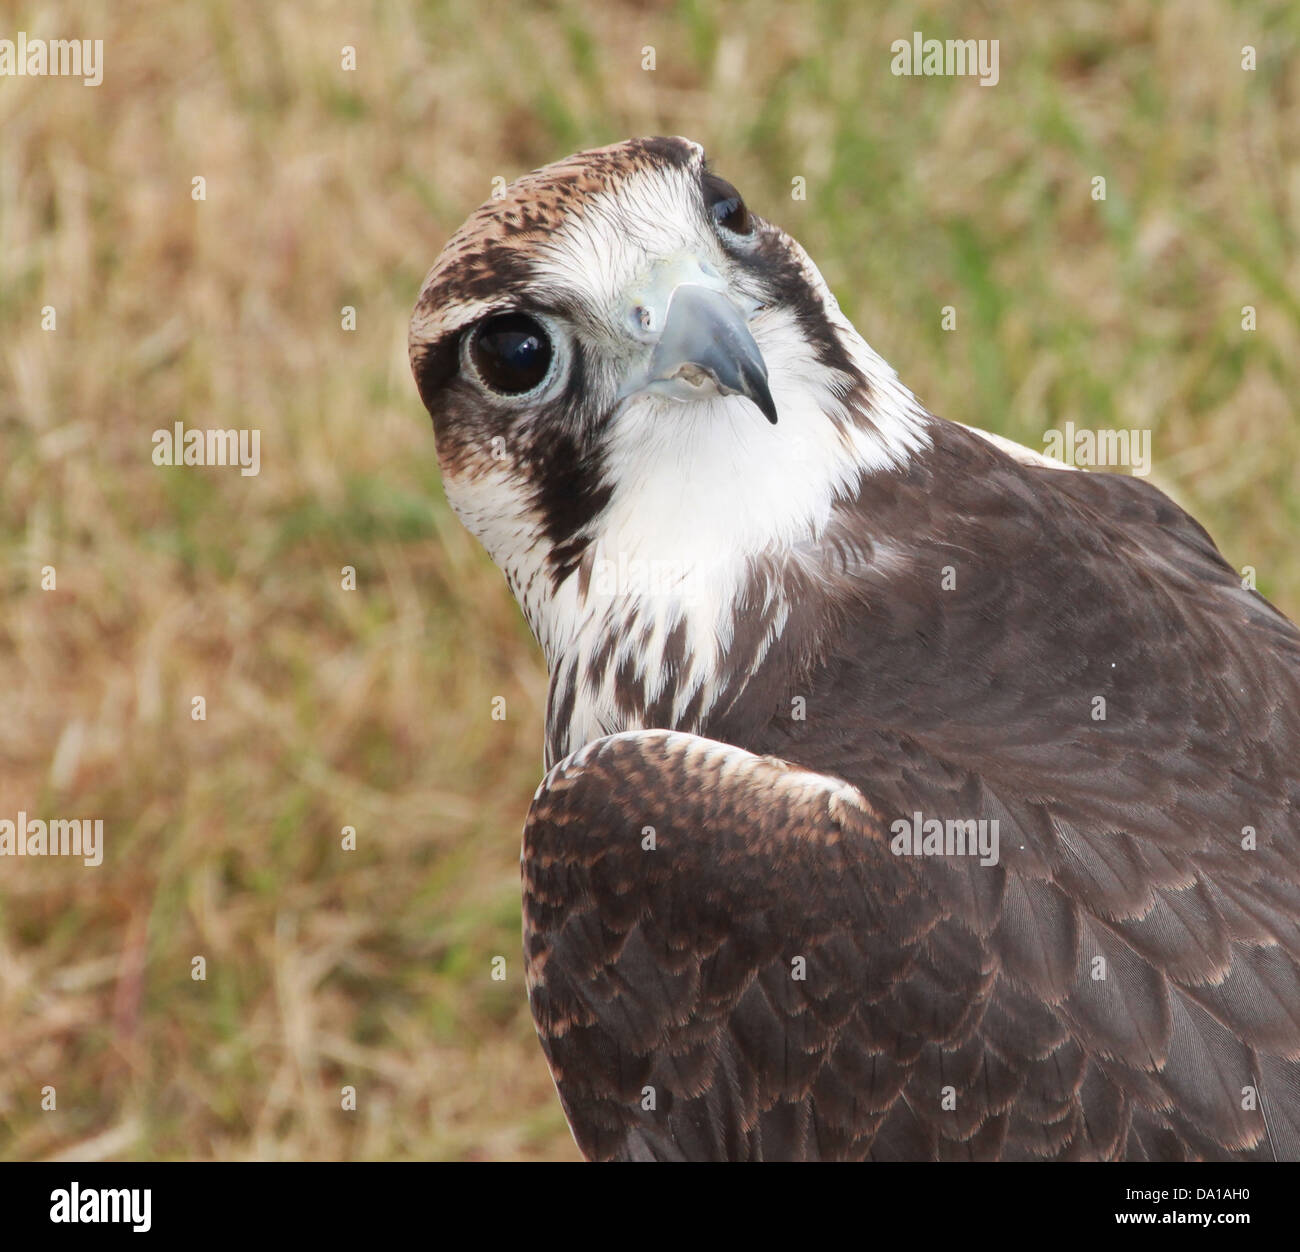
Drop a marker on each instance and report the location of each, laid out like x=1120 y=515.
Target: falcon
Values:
x=909 y=795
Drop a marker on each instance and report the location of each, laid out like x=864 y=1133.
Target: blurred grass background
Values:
x=371 y=708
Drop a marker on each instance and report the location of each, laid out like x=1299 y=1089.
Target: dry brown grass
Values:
x=370 y=708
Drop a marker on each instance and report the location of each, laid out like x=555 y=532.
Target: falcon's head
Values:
x=629 y=370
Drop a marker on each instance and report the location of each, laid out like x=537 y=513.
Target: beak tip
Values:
x=756 y=387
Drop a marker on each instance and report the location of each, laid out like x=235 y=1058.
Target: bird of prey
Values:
x=909 y=795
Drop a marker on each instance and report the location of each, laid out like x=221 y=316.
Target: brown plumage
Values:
x=733 y=951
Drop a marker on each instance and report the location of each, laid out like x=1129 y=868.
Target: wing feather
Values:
x=764 y=979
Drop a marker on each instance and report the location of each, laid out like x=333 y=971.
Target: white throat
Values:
x=705 y=497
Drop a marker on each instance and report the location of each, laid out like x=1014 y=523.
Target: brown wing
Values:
x=727 y=961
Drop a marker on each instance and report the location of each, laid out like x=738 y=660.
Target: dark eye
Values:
x=725 y=205
x=511 y=352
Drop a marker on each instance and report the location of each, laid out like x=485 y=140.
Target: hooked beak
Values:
x=703 y=343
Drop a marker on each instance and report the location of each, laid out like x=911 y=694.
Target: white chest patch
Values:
x=702 y=493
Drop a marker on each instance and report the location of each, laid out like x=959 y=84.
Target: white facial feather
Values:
x=601 y=252
x=703 y=492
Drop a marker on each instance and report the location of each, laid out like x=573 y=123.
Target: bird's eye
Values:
x=725 y=206
x=512 y=352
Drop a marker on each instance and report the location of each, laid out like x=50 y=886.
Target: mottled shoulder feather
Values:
x=727 y=960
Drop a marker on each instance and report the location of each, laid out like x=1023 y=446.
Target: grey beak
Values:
x=704 y=330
